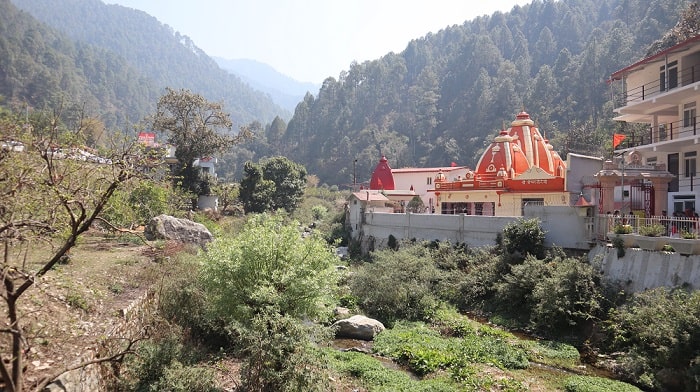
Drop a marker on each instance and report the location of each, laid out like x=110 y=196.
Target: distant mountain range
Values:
x=284 y=90
x=117 y=37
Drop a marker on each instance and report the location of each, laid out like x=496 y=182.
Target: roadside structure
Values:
x=656 y=165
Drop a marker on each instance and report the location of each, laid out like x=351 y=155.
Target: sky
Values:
x=310 y=40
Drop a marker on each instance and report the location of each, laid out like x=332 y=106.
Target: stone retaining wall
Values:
x=641 y=270
x=130 y=325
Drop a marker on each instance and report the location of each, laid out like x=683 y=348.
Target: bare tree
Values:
x=51 y=191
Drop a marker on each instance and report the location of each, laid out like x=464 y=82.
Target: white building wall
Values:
x=422 y=180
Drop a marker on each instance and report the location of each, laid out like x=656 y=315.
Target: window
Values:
x=683 y=203
x=672 y=76
x=689 y=115
x=430 y=181
x=690 y=164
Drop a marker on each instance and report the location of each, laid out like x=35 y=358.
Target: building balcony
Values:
x=685 y=79
x=665 y=136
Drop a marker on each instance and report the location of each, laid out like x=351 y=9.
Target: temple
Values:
x=519 y=167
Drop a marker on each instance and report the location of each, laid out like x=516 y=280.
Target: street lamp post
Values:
x=354 y=175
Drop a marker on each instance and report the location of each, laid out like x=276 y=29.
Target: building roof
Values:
x=656 y=57
x=369 y=196
x=444 y=169
x=519 y=159
x=519 y=150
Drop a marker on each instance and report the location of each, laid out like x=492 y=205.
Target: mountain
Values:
x=166 y=57
x=43 y=68
x=446 y=95
x=284 y=90
x=440 y=100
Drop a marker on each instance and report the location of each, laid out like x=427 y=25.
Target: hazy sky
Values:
x=310 y=40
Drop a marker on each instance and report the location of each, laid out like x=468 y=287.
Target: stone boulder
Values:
x=358 y=327
x=166 y=227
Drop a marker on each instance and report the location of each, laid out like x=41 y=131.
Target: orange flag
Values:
x=617 y=139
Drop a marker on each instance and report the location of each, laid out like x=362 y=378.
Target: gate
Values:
x=642 y=198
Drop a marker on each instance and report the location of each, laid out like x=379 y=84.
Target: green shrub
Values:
x=180 y=378
x=149 y=199
x=268 y=266
x=392 y=242
x=402 y=284
x=319 y=212
x=658 y=329
x=477 y=286
x=524 y=236
x=688 y=235
x=280 y=355
x=567 y=295
x=514 y=293
x=622 y=229
x=653 y=230
x=551 y=295
x=597 y=384
x=619 y=244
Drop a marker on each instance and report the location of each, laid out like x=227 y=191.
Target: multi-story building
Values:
x=658 y=97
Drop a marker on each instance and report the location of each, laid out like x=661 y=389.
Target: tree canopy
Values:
x=197 y=128
x=275 y=183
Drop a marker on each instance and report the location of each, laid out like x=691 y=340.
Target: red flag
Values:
x=617 y=139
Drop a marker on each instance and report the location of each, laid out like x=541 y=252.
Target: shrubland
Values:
x=255 y=306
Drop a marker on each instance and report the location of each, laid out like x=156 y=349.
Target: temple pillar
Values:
x=607 y=185
x=660 y=194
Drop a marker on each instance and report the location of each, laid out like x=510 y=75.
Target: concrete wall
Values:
x=641 y=270
x=469 y=229
x=567 y=227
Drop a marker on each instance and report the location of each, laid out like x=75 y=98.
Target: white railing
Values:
x=673 y=226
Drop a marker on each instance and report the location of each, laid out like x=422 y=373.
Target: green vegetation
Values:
x=399 y=285
x=653 y=230
x=196 y=128
x=276 y=183
x=524 y=236
x=597 y=384
x=658 y=329
x=622 y=229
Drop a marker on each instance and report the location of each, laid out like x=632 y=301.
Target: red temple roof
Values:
x=382 y=178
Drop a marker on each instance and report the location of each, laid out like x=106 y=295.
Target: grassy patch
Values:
x=375 y=376
x=557 y=354
x=422 y=349
x=597 y=384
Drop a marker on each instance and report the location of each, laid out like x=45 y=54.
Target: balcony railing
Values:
x=664 y=132
x=637 y=94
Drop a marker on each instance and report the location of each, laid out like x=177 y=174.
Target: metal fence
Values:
x=673 y=226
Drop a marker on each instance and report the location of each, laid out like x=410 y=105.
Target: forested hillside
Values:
x=448 y=93
x=138 y=41
x=40 y=68
x=440 y=100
